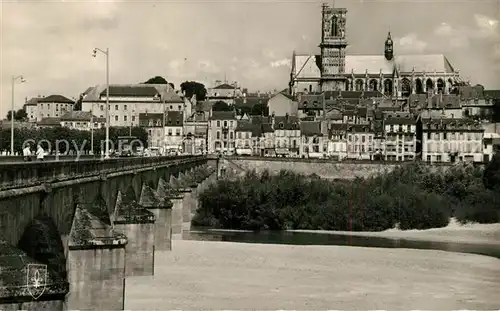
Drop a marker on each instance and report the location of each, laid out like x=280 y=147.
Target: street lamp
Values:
x=94 y=54
x=12 y=113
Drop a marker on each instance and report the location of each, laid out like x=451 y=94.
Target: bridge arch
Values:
x=41 y=241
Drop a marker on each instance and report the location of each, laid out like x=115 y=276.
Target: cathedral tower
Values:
x=333 y=47
x=389 y=48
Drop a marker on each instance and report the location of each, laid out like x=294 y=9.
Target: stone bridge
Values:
x=90 y=224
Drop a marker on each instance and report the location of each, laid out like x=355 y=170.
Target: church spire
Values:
x=389 y=47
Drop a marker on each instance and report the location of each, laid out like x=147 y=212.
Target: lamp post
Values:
x=106 y=53
x=12 y=113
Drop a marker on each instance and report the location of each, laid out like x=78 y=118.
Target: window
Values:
x=171 y=107
x=218 y=123
x=239 y=135
x=438 y=158
x=444 y=135
x=177 y=132
x=133 y=118
x=408 y=128
x=124 y=118
x=231 y=135
x=391 y=128
x=169 y=132
x=218 y=135
x=180 y=107
x=231 y=123
x=116 y=107
x=363 y=138
x=225 y=123
x=116 y=118
x=428 y=135
x=102 y=107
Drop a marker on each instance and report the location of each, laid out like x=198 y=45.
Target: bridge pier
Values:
x=161 y=207
x=138 y=225
x=96 y=261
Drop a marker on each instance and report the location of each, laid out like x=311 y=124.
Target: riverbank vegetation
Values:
x=413 y=196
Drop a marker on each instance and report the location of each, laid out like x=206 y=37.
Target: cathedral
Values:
x=396 y=76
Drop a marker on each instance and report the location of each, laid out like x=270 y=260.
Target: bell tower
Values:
x=389 y=48
x=333 y=47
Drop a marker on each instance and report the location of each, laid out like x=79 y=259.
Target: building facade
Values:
x=221 y=136
x=401 y=138
x=127 y=101
x=53 y=106
x=452 y=140
x=281 y=104
x=153 y=124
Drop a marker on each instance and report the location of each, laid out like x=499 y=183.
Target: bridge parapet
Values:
x=16 y=175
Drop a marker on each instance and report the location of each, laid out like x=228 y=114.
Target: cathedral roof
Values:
x=307 y=67
x=405 y=63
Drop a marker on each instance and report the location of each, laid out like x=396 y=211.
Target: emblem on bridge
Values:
x=36 y=279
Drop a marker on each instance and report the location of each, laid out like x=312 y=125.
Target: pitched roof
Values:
x=56 y=99
x=306 y=66
x=79 y=116
x=224 y=86
x=94 y=93
x=151 y=119
x=223 y=115
x=451 y=123
x=404 y=63
x=250 y=101
x=289 y=122
x=131 y=91
x=50 y=121
x=173 y=97
x=443 y=101
x=397 y=121
x=310 y=128
x=32 y=101
x=245 y=126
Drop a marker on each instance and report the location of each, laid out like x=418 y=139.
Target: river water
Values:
x=301 y=238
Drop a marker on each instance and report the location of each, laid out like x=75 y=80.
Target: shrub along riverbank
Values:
x=410 y=197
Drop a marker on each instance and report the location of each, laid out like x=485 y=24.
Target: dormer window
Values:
x=281 y=125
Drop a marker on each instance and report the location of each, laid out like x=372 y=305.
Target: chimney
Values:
x=26 y=100
x=272 y=119
x=286 y=117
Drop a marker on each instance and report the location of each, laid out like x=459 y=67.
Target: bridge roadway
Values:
x=92 y=223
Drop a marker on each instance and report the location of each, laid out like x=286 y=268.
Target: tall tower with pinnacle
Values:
x=333 y=48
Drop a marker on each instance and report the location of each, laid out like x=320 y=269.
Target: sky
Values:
x=50 y=43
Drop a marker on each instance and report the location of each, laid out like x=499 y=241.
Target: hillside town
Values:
x=359 y=107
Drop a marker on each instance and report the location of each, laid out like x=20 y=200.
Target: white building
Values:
x=400 y=138
x=53 y=106
x=126 y=102
x=337 y=141
x=451 y=140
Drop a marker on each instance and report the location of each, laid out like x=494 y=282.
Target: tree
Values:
x=156 y=80
x=260 y=110
x=9 y=115
x=491 y=176
x=191 y=87
x=221 y=106
x=78 y=103
x=21 y=115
